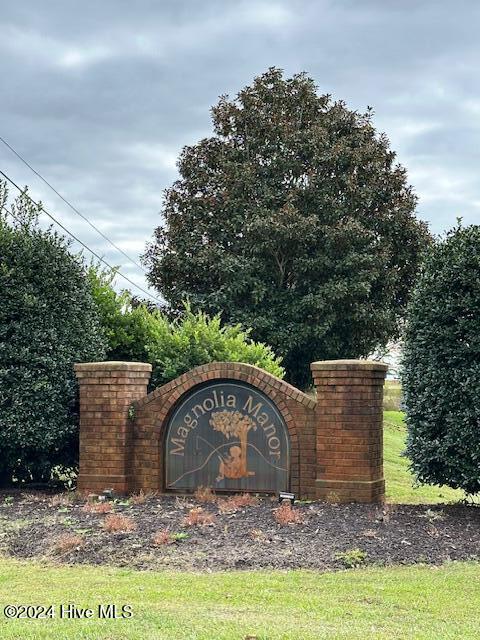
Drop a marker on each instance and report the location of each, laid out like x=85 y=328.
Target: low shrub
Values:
x=173 y=346
x=140 y=497
x=205 y=494
x=237 y=502
x=258 y=535
x=162 y=537
x=98 y=507
x=286 y=514
x=197 y=517
x=62 y=499
x=117 y=522
x=179 y=536
x=352 y=558
x=68 y=542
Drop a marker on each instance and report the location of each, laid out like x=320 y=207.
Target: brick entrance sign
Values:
x=233 y=427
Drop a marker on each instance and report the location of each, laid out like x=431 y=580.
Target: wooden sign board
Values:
x=229 y=436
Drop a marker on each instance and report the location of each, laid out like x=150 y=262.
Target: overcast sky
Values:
x=100 y=96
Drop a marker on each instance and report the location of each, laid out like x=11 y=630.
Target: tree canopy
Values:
x=292 y=219
x=441 y=366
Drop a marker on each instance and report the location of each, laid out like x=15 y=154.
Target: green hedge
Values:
x=48 y=321
x=441 y=368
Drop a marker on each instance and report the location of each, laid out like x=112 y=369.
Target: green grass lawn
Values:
x=404 y=602
x=398 y=479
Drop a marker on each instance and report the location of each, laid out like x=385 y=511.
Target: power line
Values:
x=70 y=205
x=41 y=208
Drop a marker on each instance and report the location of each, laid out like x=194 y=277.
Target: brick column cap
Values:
x=348 y=365
x=113 y=365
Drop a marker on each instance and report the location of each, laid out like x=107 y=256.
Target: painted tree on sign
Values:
x=237 y=425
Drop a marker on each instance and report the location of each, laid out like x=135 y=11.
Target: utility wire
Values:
x=41 y=208
x=27 y=164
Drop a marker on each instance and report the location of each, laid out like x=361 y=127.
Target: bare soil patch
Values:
x=183 y=533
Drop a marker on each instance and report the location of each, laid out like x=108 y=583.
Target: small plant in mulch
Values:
x=332 y=497
x=122 y=502
x=68 y=542
x=98 y=507
x=162 y=537
x=370 y=533
x=138 y=498
x=197 y=517
x=116 y=522
x=179 y=536
x=62 y=499
x=8 y=501
x=384 y=513
x=237 y=502
x=432 y=515
x=286 y=514
x=258 y=535
x=33 y=497
x=141 y=497
x=183 y=503
x=205 y=494
x=351 y=558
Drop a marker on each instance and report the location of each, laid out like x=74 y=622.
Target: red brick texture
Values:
x=107 y=389
x=296 y=408
x=349 y=430
x=335 y=441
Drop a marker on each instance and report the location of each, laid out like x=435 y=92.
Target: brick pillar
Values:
x=349 y=422
x=106 y=391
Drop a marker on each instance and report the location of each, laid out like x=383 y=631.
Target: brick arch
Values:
x=153 y=411
x=337 y=438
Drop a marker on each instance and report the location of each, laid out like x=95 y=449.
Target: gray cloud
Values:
x=101 y=96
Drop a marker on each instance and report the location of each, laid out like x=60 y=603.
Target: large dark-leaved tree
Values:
x=293 y=219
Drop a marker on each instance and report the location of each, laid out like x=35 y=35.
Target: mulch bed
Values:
x=33 y=526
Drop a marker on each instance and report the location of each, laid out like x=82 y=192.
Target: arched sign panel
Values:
x=229 y=436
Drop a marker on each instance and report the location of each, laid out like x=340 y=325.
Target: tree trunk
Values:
x=243 y=446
